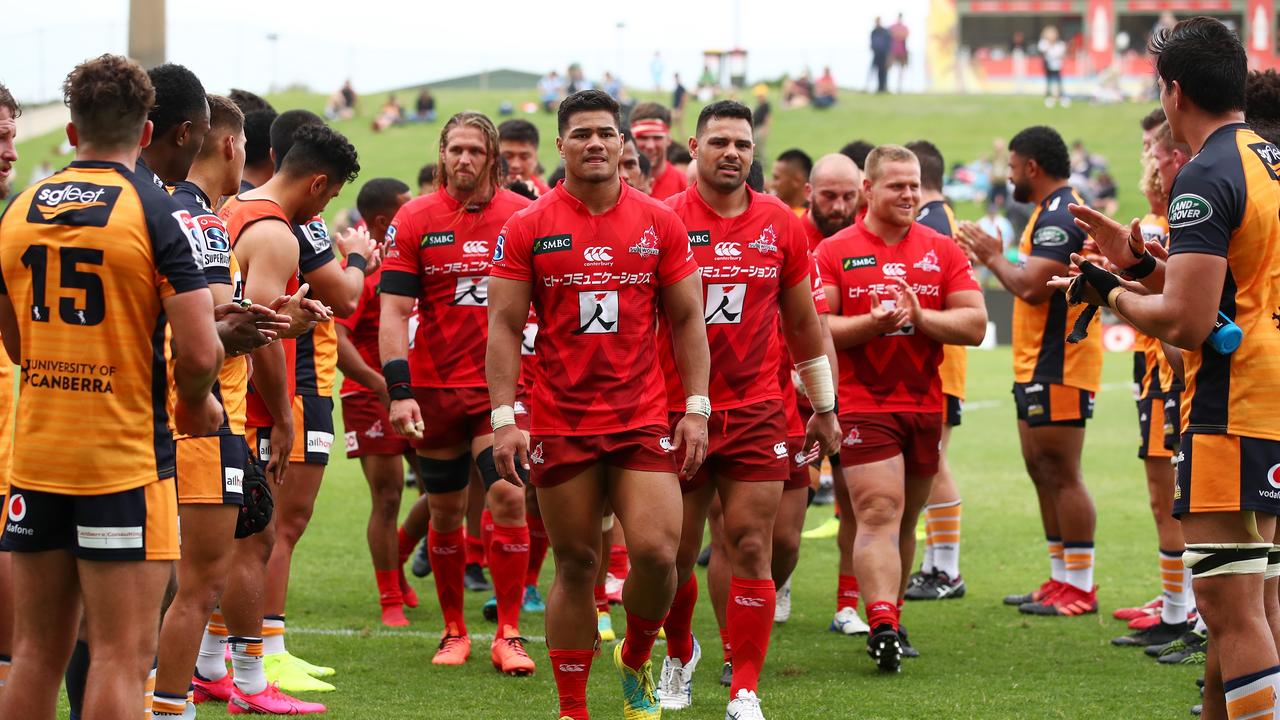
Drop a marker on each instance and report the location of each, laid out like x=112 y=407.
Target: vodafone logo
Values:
x=895 y=269
x=598 y=255
x=751 y=602
x=1271 y=478
x=475 y=247
x=728 y=250
x=18 y=507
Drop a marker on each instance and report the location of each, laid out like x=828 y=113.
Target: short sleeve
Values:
x=957 y=271
x=1056 y=236
x=513 y=251
x=1203 y=212
x=216 y=246
x=819 y=289
x=828 y=271
x=796 y=259
x=171 y=229
x=315 y=247
x=400 y=270
x=675 y=262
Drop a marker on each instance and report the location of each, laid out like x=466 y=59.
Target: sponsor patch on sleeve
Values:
x=1188 y=209
x=1050 y=236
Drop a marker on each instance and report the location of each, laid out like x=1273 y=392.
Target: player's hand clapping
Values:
x=303 y=312
x=977 y=244
x=243 y=329
x=358 y=241
x=887 y=319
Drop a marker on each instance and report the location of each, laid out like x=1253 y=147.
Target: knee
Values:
x=291 y=525
x=879 y=511
x=577 y=564
x=506 y=504
x=386 y=505
x=447 y=510
x=652 y=556
x=786 y=544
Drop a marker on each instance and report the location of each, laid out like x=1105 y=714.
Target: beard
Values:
x=1022 y=192
x=829 y=225
x=5 y=180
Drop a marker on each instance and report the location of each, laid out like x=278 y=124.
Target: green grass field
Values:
x=979 y=658
x=963 y=127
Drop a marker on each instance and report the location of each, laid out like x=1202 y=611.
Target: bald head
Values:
x=835 y=193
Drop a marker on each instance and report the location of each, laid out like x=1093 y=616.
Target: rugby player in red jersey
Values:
x=518 y=145
x=898 y=292
x=443 y=243
x=598 y=260
x=755 y=267
x=835 y=197
x=369 y=436
x=651 y=127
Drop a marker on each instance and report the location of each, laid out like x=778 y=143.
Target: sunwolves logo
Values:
x=853 y=263
x=767 y=242
x=535 y=457
x=853 y=438
x=647 y=244
x=929 y=263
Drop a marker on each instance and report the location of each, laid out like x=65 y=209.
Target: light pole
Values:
x=617 y=71
x=274 y=39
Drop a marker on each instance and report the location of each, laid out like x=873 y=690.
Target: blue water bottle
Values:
x=1225 y=336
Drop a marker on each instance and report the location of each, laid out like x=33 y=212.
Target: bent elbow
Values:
x=344 y=307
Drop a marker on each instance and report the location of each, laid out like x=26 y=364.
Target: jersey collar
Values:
x=692 y=190
x=98 y=165
x=194 y=189
x=577 y=205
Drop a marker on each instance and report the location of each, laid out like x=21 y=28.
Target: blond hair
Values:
x=886 y=154
x=481 y=122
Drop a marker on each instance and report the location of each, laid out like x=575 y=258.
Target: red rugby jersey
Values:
x=811 y=232
x=896 y=372
x=363 y=325
x=791 y=400
x=670 y=182
x=595 y=283
x=747 y=261
x=441 y=256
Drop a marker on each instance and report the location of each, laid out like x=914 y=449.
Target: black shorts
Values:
x=137 y=524
x=1040 y=404
x=312 y=429
x=1157 y=427
x=952 y=411
x=1227 y=473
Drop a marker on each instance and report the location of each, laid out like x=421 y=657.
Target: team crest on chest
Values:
x=647 y=244
x=767 y=242
x=929 y=263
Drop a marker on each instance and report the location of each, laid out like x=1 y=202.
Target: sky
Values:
x=394 y=43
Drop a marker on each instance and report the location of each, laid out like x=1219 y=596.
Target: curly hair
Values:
x=8 y=103
x=1149 y=184
x=1044 y=145
x=321 y=149
x=180 y=97
x=109 y=97
x=481 y=122
x=1262 y=104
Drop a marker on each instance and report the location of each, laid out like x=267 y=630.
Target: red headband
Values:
x=649 y=127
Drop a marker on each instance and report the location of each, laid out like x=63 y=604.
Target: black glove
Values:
x=255 y=513
x=1093 y=286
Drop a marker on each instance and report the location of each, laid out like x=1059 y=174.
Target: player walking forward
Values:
x=903 y=291
x=755 y=265
x=441 y=256
x=598 y=259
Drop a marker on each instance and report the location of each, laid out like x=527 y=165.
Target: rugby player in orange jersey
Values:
x=1219 y=279
x=755 y=269
x=82 y=525
x=651 y=127
x=260 y=223
x=599 y=260
x=313 y=374
x=1054 y=380
x=898 y=292
x=9 y=112
x=440 y=260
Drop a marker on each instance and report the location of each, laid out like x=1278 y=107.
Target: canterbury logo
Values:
x=573 y=667
x=597 y=254
x=444 y=550
x=475 y=247
x=514 y=548
x=728 y=249
x=49 y=213
x=751 y=602
x=895 y=269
